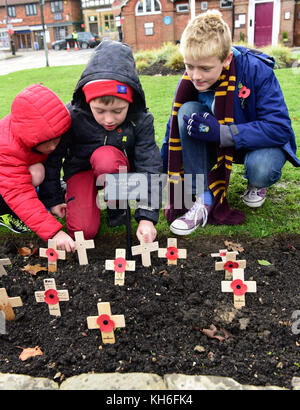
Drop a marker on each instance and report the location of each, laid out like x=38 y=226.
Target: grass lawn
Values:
x=281 y=211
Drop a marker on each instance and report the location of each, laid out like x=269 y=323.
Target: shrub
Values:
x=165 y=52
x=141 y=65
x=175 y=61
x=283 y=55
x=145 y=55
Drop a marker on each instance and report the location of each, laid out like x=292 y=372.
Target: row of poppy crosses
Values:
x=105 y=321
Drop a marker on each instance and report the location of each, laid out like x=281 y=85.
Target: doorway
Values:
x=263 y=24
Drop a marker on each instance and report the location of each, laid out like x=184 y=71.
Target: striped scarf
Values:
x=218 y=178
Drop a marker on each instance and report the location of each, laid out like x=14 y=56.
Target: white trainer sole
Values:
x=254 y=204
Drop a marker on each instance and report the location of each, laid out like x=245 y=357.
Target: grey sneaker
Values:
x=190 y=221
x=254 y=197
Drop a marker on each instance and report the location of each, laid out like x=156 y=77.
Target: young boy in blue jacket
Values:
x=228 y=107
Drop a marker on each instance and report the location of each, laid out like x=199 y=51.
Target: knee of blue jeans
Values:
x=262 y=175
x=187 y=109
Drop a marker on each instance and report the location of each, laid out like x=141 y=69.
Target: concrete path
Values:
x=37 y=59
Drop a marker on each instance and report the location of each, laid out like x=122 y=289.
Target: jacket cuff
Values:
x=148 y=214
x=226 y=138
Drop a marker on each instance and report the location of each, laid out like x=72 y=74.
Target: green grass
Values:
x=281 y=211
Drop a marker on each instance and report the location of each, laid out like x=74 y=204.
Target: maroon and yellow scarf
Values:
x=218 y=178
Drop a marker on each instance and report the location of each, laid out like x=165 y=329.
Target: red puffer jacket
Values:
x=37 y=115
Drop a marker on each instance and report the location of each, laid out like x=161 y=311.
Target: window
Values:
x=11 y=11
x=226 y=4
x=56 y=6
x=4 y=40
x=31 y=9
x=147 y=7
x=60 y=33
x=92 y=3
x=149 y=29
x=203 y=5
x=182 y=8
x=109 y=22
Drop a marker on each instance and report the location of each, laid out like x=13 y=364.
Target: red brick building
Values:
x=23 y=17
x=150 y=23
x=146 y=23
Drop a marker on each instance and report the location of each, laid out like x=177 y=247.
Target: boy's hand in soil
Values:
x=64 y=242
x=146 y=231
x=59 y=210
x=203 y=126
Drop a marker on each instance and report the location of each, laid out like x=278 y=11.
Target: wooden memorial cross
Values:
x=81 y=247
x=172 y=253
x=52 y=254
x=120 y=265
x=7 y=304
x=229 y=264
x=106 y=322
x=222 y=254
x=239 y=287
x=51 y=296
x=5 y=261
x=145 y=250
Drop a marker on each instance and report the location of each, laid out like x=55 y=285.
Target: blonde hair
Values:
x=206 y=35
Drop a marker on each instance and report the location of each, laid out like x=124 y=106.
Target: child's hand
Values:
x=59 y=210
x=64 y=242
x=146 y=231
x=203 y=126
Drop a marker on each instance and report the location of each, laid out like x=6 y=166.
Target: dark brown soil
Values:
x=165 y=309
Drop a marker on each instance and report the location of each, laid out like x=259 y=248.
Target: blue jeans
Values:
x=262 y=166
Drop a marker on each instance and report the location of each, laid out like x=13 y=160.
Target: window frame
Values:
x=182 y=11
x=11 y=11
x=145 y=12
x=226 y=1
x=31 y=9
x=56 y=6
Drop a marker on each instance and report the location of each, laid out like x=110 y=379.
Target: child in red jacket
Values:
x=28 y=135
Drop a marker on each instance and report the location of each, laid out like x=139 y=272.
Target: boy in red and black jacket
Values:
x=111 y=127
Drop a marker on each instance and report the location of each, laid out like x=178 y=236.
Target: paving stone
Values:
x=24 y=382
x=184 y=382
x=295 y=383
x=114 y=381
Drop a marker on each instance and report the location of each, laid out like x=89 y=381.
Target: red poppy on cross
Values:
x=172 y=253
x=120 y=265
x=106 y=322
x=51 y=296
x=239 y=287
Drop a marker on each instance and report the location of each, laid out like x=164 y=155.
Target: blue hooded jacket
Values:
x=264 y=121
